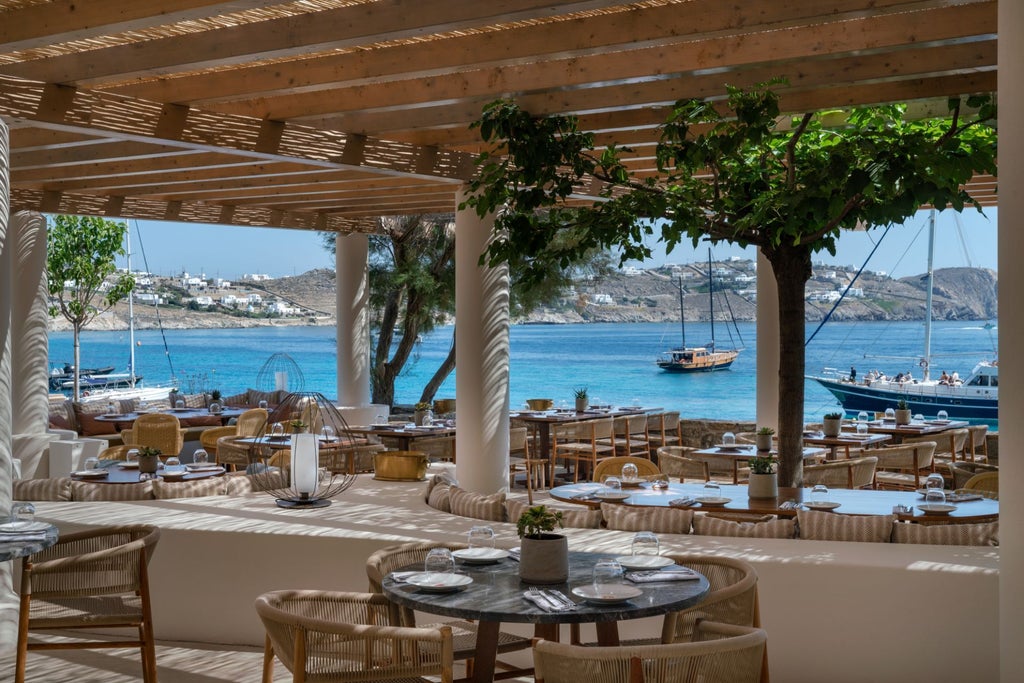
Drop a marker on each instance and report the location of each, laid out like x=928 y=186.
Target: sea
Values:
x=614 y=361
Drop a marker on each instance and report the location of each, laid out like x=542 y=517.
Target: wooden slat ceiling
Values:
x=322 y=114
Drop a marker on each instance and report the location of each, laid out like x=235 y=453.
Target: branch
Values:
x=850 y=205
x=791 y=149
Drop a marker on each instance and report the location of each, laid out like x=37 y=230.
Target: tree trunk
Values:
x=792 y=268
x=441 y=374
x=76 y=387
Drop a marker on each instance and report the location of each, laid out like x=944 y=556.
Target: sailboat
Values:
x=697 y=358
x=975 y=397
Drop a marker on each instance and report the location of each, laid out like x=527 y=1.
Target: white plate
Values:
x=936 y=508
x=174 y=476
x=22 y=526
x=633 y=483
x=643 y=561
x=612 y=495
x=608 y=595
x=439 y=582
x=90 y=474
x=134 y=465
x=209 y=467
x=822 y=505
x=713 y=500
x=480 y=555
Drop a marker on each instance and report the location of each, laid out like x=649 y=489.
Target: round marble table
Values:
x=496 y=595
x=12 y=548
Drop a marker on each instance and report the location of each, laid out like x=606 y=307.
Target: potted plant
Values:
x=764 y=438
x=149 y=459
x=582 y=399
x=764 y=482
x=902 y=412
x=544 y=556
x=215 y=404
x=297 y=426
x=832 y=424
x=420 y=415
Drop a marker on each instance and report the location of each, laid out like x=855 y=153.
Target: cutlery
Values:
x=545 y=602
x=563 y=601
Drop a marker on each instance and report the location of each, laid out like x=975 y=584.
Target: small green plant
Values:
x=538 y=520
x=145 y=451
x=762 y=465
x=423 y=405
x=580 y=393
x=215 y=395
x=766 y=431
x=833 y=416
x=902 y=404
x=297 y=425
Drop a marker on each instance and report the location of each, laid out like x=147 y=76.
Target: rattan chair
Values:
x=949 y=445
x=675 y=462
x=984 y=483
x=723 y=653
x=613 y=466
x=386 y=560
x=905 y=466
x=332 y=636
x=963 y=471
x=535 y=469
x=586 y=442
x=90 y=579
x=252 y=422
x=208 y=438
x=156 y=430
x=855 y=473
x=116 y=452
x=631 y=437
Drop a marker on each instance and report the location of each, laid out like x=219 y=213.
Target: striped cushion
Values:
x=214 y=486
x=712 y=526
x=471 y=504
x=42 y=489
x=88 y=491
x=574 y=517
x=658 y=520
x=440 y=497
x=439 y=478
x=946 y=534
x=828 y=526
x=238 y=484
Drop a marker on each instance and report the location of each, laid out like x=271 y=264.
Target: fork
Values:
x=546 y=601
x=564 y=602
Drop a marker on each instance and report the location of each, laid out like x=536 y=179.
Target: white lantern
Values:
x=305 y=462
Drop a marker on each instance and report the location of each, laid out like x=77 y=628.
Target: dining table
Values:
x=403 y=436
x=495 y=595
x=845 y=440
x=926 y=428
x=126 y=420
x=967 y=507
x=124 y=472
x=23 y=538
x=541 y=421
x=735 y=455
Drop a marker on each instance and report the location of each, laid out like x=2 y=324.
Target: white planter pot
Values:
x=544 y=560
x=764 y=442
x=831 y=426
x=763 y=486
x=902 y=417
x=581 y=404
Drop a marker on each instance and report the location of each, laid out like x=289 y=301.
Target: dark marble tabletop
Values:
x=496 y=594
x=12 y=549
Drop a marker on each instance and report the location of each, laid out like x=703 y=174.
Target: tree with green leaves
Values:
x=745 y=175
x=81 y=273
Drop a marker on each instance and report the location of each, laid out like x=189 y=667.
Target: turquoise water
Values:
x=615 y=361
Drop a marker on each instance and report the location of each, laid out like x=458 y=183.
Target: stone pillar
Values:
x=481 y=358
x=353 y=294
x=767 y=345
x=1011 y=327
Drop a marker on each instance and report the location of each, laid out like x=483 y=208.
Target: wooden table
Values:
x=740 y=453
x=404 y=437
x=852 y=501
x=496 y=596
x=847 y=440
x=927 y=428
x=542 y=420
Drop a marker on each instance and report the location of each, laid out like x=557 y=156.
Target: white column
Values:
x=353 y=294
x=8 y=601
x=767 y=345
x=29 y=317
x=1011 y=329
x=481 y=358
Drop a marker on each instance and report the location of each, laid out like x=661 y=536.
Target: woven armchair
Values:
x=116 y=452
x=331 y=636
x=963 y=471
x=156 y=430
x=613 y=466
x=723 y=653
x=386 y=560
x=855 y=473
x=90 y=579
x=986 y=483
x=631 y=436
x=674 y=461
x=208 y=438
x=905 y=466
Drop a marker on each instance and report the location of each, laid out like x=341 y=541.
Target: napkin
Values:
x=585 y=496
x=538 y=598
x=513 y=554
x=24 y=536
x=400 y=577
x=668 y=574
x=682 y=502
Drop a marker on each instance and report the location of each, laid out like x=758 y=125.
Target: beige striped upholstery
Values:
x=238 y=484
x=42 y=489
x=470 y=504
x=658 y=520
x=828 y=526
x=440 y=498
x=213 y=486
x=947 y=534
x=574 y=518
x=713 y=526
x=88 y=491
x=440 y=478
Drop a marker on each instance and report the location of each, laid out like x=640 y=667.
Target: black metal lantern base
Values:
x=302 y=503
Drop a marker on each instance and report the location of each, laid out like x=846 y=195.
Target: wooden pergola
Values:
x=324 y=114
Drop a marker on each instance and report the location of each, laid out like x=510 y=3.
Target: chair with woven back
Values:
x=949 y=445
x=663 y=429
x=905 y=466
x=116 y=452
x=583 y=443
x=335 y=636
x=227 y=451
x=963 y=471
x=855 y=473
x=986 y=483
x=613 y=467
x=976 y=449
x=675 y=462
x=156 y=430
x=631 y=437
x=746 y=437
x=723 y=653
x=464 y=633
x=87 y=580
x=521 y=460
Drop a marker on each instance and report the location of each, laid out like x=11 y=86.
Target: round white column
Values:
x=353 y=294
x=8 y=601
x=1011 y=330
x=767 y=345
x=481 y=358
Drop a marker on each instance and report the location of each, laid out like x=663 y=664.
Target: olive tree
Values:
x=81 y=273
x=743 y=174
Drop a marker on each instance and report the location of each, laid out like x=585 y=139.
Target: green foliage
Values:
x=581 y=392
x=766 y=431
x=762 y=465
x=902 y=404
x=538 y=520
x=145 y=451
x=81 y=251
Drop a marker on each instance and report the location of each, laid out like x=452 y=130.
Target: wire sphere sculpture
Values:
x=302 y=456
x=280 y=369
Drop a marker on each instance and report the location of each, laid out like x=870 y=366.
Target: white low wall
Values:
x=833 y=611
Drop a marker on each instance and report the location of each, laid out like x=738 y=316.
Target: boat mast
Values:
x=711 y=299
x=928 y=297
x=131 y=308
x=682 y=314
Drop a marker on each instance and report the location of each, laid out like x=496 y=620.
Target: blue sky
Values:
x=228 y=252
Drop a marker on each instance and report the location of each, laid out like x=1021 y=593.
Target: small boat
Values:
x=58 y=376
x=685 y=358
x=112 y=380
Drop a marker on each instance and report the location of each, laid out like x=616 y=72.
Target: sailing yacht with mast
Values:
x=697 y=358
